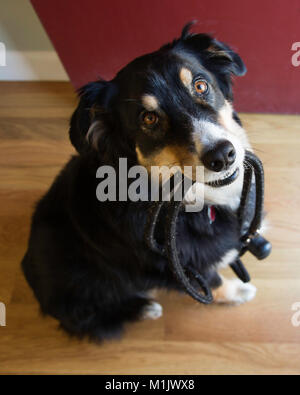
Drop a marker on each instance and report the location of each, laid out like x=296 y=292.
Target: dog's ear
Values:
x=224 y=57
x=90 y=119
x=216 y=56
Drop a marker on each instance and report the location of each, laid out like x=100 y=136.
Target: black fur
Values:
x=86 y=261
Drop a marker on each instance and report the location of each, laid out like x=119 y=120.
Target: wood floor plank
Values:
x=258 y=337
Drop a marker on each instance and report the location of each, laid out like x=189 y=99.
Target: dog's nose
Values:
x=219 y=158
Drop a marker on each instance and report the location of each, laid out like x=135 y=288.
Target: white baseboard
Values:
x=32 y=66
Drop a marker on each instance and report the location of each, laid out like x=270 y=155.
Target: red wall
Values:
x=97 y=37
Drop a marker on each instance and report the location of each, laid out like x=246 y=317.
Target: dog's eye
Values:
x=149 y=118
x=201 y=86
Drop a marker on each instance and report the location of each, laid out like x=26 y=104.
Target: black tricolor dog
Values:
x=87 y=261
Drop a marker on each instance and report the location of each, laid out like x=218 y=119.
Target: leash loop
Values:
x=250 y=239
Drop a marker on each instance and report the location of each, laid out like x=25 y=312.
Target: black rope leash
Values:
x=250 y=238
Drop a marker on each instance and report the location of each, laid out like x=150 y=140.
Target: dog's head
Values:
x=172 y=107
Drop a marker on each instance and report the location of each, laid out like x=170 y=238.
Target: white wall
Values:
x=26 y=49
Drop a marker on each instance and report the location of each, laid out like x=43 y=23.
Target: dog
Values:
x=87 y=261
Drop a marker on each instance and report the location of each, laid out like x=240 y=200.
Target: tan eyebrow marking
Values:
x=150 y=102
x=186 y=77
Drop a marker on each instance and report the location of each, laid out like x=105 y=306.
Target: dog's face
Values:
x=174 y=108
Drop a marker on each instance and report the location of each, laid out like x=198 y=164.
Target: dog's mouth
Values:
x=227 y=180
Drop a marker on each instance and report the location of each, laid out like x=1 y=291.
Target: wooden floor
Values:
x=190 y=338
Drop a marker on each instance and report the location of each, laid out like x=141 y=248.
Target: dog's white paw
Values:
x=235 y=291
x=152 y=311
x=244 y=292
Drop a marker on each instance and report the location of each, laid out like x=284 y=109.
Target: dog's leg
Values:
x=234 y=291
x=107 y=321
x=152 y=311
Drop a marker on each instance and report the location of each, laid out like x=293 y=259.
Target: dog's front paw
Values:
x=234 y=291
x=152 y=311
